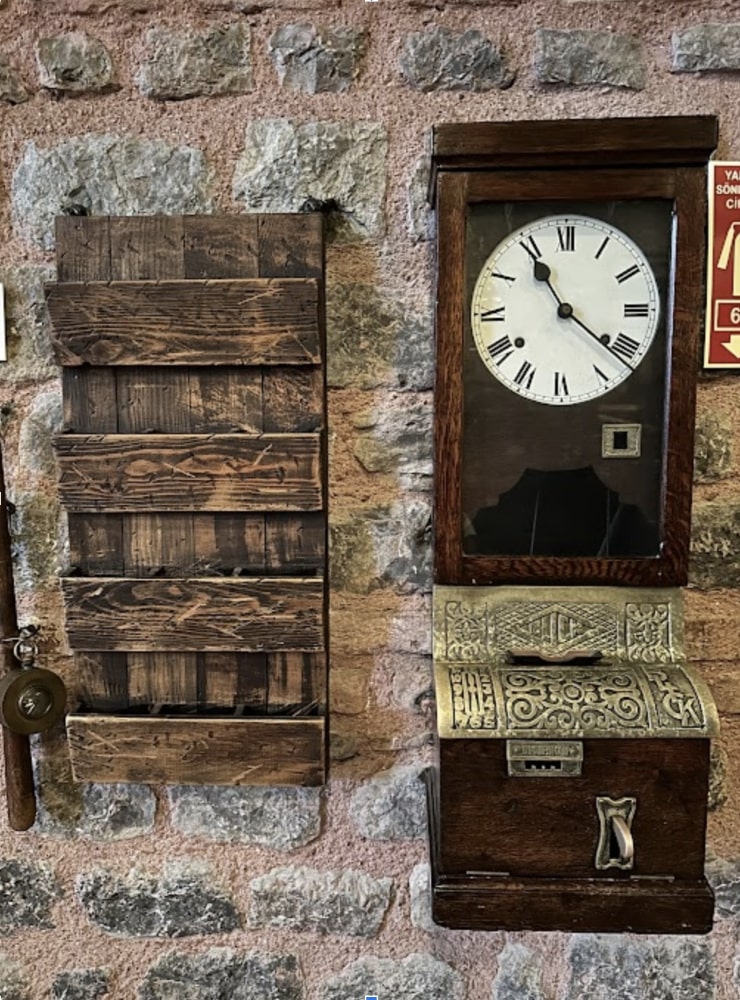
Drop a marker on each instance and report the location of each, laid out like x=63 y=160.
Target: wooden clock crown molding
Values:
x=577 y=142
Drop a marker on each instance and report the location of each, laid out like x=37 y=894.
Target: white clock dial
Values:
x=564 y=309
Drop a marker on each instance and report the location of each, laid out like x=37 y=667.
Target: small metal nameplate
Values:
x=544 y=758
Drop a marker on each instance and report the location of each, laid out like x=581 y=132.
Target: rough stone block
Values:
x=717 y=795
x=280 y=818
x=74 y=63
x=13 y=983
x=707 y=47
x=349 y=687
x=420 y=894
x=30 y=356
x=391 y=806
x=398 y=439
x=184 y=901
x=181 y=64
x=519 y=975
x=106 y=175
x=412 y=682
x=38 y=539
x=715 y=545
x=411 y=628
x=589 y=58
x=419 y=212
x=27 y=893
x=441 y=59
x=418 y=977
x=328 y=902
x=662 y=968
x=220 y=973
x=284 y=165
x=12 y=88
x=381 y=546
x=44 y=419
x=724 y=877
x=374 y=341
x=67 y=808
x=80 y=984
x=712 y=448
x=314 y=61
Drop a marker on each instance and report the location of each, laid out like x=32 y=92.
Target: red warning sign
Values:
x=722 y=339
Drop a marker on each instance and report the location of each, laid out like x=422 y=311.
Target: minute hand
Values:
x=600 y=341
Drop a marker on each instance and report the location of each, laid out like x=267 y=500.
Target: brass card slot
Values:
x=544 y=758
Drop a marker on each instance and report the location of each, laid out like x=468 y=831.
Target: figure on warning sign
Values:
x=731 y=249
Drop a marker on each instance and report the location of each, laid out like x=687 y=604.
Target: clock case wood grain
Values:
x=575 y=161
x=650 y=158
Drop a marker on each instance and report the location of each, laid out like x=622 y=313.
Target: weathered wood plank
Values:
x=291 y=245
x=213 y=322
x=89 y=400
x=83 y=248
x=223 y=246
x=189 y=472
x=162 y=678
x=152 y=400
x=201 y=614
x=158 y=544
x=233 y=679
x=296 y=682
x=293 y=400
x=295 y=543
x=146 y=247
x=229 y=544
x=192 y=750
x=96 y=544
x=101 y=680
x=227 y=400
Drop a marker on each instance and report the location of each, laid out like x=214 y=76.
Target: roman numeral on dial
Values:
x=500 y=349
x=525 y=375
x=531 y=247
x=636 y=309
x=628 y=273
x=600 y=374
x=567 y=237
x=561 y=386
x=625 y=347
x=493 y=315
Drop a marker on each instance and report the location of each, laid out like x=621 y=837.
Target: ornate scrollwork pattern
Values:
x=467 y=631
x=648 y=632
x=573 y=699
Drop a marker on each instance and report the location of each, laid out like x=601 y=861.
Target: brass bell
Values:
x=31 y=700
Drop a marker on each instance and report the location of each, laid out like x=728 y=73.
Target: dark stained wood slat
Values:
x=201 y=614
x=90 y=400
x=162 y=678
x=224 y=400
x=295 y=543
x=96 y=544
x=192 y=750
x=291 y=246
x=229 y=544
x=233 y=679
x=293 y=399
x=189 y=322
x=223 y=246
x=101 y=680
x=189 y=472
x=83 y=250
x=295 y=682
x=154 y=399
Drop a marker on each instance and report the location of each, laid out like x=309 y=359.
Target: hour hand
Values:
x=541 y=271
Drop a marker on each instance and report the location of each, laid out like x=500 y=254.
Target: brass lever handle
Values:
x=625 y=839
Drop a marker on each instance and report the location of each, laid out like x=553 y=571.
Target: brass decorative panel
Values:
x=499 y=669
x=484 y=624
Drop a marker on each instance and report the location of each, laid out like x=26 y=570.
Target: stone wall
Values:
x=152 y=106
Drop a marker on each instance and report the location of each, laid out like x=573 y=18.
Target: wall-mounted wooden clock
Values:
x=569 y=303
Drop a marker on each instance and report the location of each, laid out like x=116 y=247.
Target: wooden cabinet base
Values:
x=467 y=901
x=197 y=750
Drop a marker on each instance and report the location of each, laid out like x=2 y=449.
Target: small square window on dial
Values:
x=620 y=440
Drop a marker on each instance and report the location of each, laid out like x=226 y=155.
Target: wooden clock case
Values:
x=563 y=695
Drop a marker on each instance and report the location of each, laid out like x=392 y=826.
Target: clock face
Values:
x=564 y=309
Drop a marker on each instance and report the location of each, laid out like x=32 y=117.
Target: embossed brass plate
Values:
x=641 y=685
x=544 y=758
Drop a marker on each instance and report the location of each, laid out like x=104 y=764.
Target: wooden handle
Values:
x=19 y=790
x=20 y=794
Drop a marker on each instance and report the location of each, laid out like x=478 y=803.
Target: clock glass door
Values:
x=564 y=377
